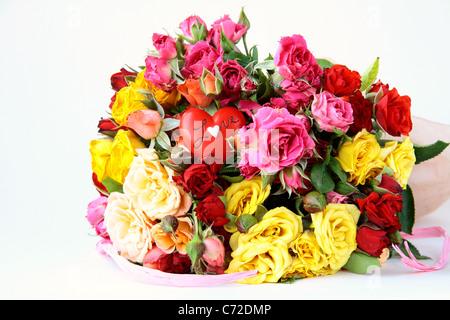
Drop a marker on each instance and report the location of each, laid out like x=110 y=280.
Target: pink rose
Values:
x=165 y=45
x=231 y=30
x=232 y=74
x=295 y=61
x=192 y=25
x=201 y=55
x=330 y=111
x=274 y=140
x=297 y=183
x=145 y=123
x=95 y=211
x=334 y=197
x=214 y=254
x=298 y=94
x=158 y=72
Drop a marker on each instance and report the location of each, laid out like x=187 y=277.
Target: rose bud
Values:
x=245 y=222
x=169 y=224
x=388 y=184
x=165 y=45
x=145 y=123
x=195 y=249
x=214 y=254
x=314 y=202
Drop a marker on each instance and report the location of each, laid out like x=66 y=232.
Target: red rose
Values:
x=212 y=211
x=118 y=80
x=393 y=113
x=362 y=113
x=198 y=179
x=372 y=241
x=382 y=210
x=167 y=262
x=340 y=80
x=379 y=85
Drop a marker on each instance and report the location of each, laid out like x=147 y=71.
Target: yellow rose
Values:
x=128 y=227
x=361 y=158
x=100 y=153
x=401 y=160
x=123 y=150
x=150 y=186
x=335 y=231
x=277 y=224
x=127 y=101
x=243 y=197
x=271 y=261
x=309 y=260
x=167 y=100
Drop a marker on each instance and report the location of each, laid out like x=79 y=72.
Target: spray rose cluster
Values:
x=216 y=160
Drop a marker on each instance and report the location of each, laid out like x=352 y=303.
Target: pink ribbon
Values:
x=419 y=233
x=157 y=277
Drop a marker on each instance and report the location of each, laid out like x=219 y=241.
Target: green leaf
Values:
x=321 y=178
x=430 y=151
x=163 y=140
x=335 y=166
x=233 y=179
x=112 y=185
x=324 y=63
x=361 y=263
x=170 y=124
x=345 y=188
x=266 y=65
x=407 y=215
x=370 y=75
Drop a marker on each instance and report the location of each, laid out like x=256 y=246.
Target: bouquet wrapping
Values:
x=214 y=165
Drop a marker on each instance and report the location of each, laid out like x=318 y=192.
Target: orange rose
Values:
x=192 y=91
x=167 y=242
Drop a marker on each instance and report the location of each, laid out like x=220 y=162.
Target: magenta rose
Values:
x=165 y=45
x=158 y=72
x=298 y=94
x=330 y=111
x=274 y=140
x=295 y=61
x=232 y=73
x=95 y=211
x=230 y=29
x=201 y=55
x=191 y=25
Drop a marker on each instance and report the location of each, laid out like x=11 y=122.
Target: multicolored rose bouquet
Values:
x=213 y=162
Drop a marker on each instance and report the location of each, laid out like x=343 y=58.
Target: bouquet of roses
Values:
x=213 y=162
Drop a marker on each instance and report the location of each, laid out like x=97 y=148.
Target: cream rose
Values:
x=150 y=187
x=335 y=231
x=128 y=227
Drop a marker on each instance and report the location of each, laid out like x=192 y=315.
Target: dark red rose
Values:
x=362 y=113
x=108 y=127
x=118 y=80
x=340 y=80
x=393 y=113
x=372 y=241
x=382 y=210
x=232 y=74
x=181 y=263
x=198 y=179
x=212 y=211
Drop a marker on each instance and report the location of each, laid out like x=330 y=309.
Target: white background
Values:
x=56 y=59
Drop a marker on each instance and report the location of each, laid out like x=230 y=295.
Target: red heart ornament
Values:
x=204 y=135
